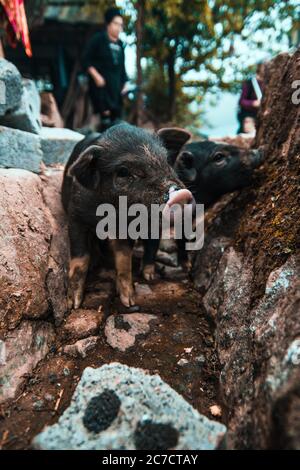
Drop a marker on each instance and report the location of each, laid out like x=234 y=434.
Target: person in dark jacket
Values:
x=250 y=99
x=104 y=61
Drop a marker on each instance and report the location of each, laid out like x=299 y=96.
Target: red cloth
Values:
x=15 y=12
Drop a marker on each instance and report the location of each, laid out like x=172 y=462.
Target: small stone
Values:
x=182 y=362
x=81 y=347
x=200 y=359
x=121 y=330
x=82 y=323
x=215 y=410
x=167 y=258
x=169 y=272
x=49 y=397
x=66 y=371
x=38 y=405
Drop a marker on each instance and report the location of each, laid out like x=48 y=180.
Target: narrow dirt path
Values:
x=179 y=347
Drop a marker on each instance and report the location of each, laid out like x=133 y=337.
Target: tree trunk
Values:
x=139 y=42
x=171 y=86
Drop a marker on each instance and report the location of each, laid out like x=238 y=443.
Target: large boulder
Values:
x=57 y=144
x=58 y=254
x=10 y=87
x=20 y=149
x=33 y=262
x=34 y=249
x=248 y=273
x=26 y=116
x=21 y=352
x=25 y=233
x=121 y=407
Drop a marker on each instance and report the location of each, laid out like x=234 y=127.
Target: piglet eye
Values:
x=123 y=172
x=219 y=158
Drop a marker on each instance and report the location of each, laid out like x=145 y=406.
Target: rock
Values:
x=248 y=275
x=215 y=410
x=25 y=347
x=168 y=272
x=57 y=144
x=168 y=246
x=169 y=259
x=26 y=116
x=81 y=347
x=10 y=87
x=137 y=411
x=121 y=331
x=182 y=362
x=20 y=149
x=24 y=242
x=2 y=353
x=200 y=359
x=58 y=256
x=82 y=323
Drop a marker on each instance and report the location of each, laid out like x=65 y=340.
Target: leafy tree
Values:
x=203 y=36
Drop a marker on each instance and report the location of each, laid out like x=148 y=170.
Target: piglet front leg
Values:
x=122 y=250
x=78 y=265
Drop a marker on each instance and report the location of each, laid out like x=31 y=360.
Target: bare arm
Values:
x=96 y=76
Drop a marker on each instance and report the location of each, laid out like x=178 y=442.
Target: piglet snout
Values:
x=178 y=197
x=181 y=196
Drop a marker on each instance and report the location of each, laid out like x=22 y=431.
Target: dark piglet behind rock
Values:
x=124 y=161
x=209 y=170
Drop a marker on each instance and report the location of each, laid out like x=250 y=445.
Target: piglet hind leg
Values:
x=150 y=251
x=122 y=250
x=78 y=266
x=183 y=259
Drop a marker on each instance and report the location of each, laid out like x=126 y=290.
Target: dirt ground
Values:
x=181 y=332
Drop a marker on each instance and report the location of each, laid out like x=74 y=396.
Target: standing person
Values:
x=250 y=99
x=104 y=61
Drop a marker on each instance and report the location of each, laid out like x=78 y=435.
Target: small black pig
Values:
x=211 y=169
x=123 y=161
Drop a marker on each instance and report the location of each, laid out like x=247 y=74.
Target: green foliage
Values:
x=155 y=89
x=204 y=36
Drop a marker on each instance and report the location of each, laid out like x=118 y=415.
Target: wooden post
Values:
x=139 y=42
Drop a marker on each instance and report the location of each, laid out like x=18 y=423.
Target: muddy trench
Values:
x=179 y=347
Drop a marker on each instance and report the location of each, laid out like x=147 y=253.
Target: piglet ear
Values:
x=173 y=138
x=86 y=168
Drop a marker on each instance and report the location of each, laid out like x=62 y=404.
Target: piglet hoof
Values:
x=149 y=272
x=126 y=293
x=186 y=266
x=74 y=298
x=127 y=299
